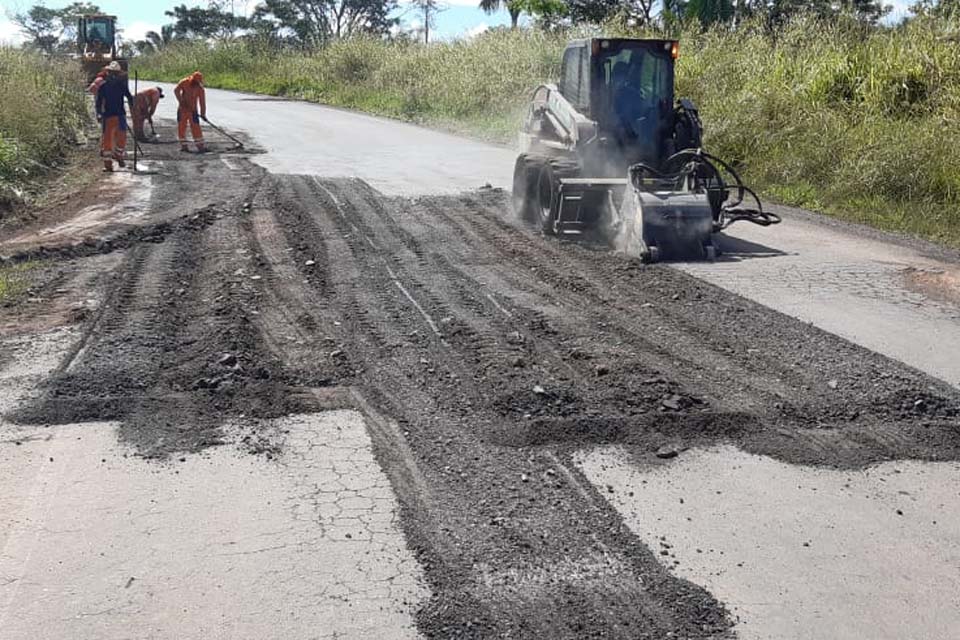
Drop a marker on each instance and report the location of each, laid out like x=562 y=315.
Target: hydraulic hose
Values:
x=705 y=172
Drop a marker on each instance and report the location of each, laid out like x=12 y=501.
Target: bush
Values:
x=42 y=111
x=829 y=115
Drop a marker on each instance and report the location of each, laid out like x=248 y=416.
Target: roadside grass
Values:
x=861 y=124
x=43 y=111
x=14 y=280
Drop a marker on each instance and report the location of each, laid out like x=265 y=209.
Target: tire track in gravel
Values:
x=584 y=294
x=783 y=377
x=502 y=557
x=474 y=422
x=174 y=351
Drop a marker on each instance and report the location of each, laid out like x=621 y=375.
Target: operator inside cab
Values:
x=635 y=103
x=96 y=33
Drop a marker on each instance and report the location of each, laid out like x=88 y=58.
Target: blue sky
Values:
x=461 y=17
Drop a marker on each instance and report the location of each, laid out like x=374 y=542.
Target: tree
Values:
x=949 y=9
x=866 y=11
x=548 y=13
x=710 y=11
x=597 y=11
x=512 y=6
x=429 y=9
x=673 y=11
x=154 y=41
x=42 y=26
x=212 y=22
x=315 y=22
x=51 y=30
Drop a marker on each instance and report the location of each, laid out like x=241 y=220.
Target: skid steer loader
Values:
x=610 y=146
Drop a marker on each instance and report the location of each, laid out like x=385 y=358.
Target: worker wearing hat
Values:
x=144 y=106
x=112 y=116
x=192 y=107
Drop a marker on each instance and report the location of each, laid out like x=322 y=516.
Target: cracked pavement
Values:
x=97 y=543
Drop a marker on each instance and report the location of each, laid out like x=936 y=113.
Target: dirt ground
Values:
x=483 y=355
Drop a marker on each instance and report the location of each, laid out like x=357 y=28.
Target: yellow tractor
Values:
x=97 y=43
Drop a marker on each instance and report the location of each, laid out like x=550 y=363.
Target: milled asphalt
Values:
x=841 y=278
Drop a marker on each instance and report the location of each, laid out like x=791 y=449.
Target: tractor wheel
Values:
x=525 y=174
x=548 y=190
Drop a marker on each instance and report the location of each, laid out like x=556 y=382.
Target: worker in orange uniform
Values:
x=192 y=101
x=112 y=116
x=98 y=82
x=144 y=106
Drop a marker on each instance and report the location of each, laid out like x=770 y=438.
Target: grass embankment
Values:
x=43 y=111
x=861 y=124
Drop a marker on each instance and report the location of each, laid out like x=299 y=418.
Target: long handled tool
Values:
x=218 y=129
x=136 y=90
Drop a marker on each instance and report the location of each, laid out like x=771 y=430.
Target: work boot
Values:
x=201 y=148
x=184 y=149
x=122 y=163
x=108 y=166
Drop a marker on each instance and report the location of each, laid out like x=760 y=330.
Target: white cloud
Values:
x=477 y=30
x=138 y=30
x=9 y=32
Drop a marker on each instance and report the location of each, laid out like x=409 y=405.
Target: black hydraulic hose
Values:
x=699 y=162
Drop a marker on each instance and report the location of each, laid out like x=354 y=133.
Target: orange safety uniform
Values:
x=111 y=113
x=97 y=83
x=144 y=106
x=192 y=100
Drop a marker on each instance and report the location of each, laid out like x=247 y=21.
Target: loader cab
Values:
x=96 y=34
x=626 y=86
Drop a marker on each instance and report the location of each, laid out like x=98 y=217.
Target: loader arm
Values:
x=554 y=124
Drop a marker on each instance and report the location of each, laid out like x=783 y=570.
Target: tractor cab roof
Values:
x=600 y=45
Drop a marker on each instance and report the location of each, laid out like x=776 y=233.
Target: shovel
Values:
x=221 y=131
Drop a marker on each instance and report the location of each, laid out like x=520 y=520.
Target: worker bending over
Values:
x=112 y=116
x=144 y=106
x=192 y=107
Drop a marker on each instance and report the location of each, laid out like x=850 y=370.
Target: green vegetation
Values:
x=837 y=117
x=833 y=115
x=14 y=280
x=42 y=111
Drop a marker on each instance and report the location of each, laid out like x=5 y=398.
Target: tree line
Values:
x=313 y=23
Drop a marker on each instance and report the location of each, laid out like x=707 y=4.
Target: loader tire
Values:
x=548 y=190
x=525 y=173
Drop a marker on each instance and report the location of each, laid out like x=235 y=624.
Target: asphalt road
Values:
x=346 y=394
x=897 y=298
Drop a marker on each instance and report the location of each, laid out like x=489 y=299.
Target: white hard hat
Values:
x=114 y=66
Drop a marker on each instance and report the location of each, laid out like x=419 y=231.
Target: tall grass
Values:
x=42 y=110
x=829 y=115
